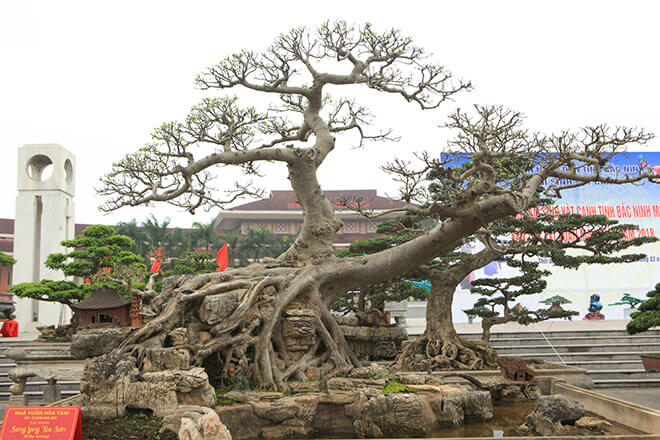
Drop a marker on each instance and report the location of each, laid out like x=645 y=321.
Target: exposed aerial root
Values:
x=445 y=353
x=279 y=330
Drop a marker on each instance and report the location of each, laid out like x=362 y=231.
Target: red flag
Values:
x=157 y=259
x=222 y=260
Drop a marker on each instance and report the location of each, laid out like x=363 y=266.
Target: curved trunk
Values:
x=487 y=324
x=439 y=320
x=439 y=347
x=352 y=272
x=314 y=241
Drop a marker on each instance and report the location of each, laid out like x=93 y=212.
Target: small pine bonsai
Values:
x=648 y=315
x=628 y=300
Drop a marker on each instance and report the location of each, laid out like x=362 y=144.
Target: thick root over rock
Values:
x=251 y=327
x=445 y=353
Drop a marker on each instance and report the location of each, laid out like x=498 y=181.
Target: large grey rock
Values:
x=298 y=331
x=550 y=416
x=216 y=308
x=192 y=386
x=212 y=428
x=178 y=336
x=592 y=425
x=347 y=320
x=558 y=408
x=158 y=397
x=477 y=404
x=105 y=370
x=203 y=396
x=182 y=380
x=172 y=420
x=92 y=343
x=159 y=359
x=373 y=371
x=206 y=427
x=276 y=411
x=391 y=415
x=374 y=333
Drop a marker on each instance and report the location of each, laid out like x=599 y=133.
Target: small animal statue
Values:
x=375 y=318
x=516 y=370
x=594 y=308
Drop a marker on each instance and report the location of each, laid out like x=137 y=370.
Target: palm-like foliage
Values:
x=204 y=234
x=157 y=233
x=259 y=243
x=179 y=243
x=132 y=229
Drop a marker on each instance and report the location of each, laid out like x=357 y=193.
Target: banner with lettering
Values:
x=637 y=204
x=41 y=423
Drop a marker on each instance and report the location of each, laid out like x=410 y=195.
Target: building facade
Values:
x=281 y=214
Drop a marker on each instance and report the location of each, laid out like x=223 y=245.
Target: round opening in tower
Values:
x=40 y=167
x=68 y=171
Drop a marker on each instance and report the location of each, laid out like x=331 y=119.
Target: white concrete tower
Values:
x=44 y=217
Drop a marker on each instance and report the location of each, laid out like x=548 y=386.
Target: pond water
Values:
x=503 y=424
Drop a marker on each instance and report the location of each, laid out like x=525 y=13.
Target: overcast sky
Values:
x=97 y=77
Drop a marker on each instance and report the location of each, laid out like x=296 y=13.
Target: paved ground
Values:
x=22 y=337
x=649 y=397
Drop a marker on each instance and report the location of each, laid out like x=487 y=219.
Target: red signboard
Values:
x=41 y=423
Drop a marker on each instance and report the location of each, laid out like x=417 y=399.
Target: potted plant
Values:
x=651 y=361
x=647 y=317
x=631 y=302
x=556 y=302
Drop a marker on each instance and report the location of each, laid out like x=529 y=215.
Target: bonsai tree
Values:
x=299 y=130
x=556 y=299
x=500 y=294
x=555 y=303
x=603 y=239
x=648 y=315
x=628 y=300
x=6 y=260
x=96 y=250
x=539 y=232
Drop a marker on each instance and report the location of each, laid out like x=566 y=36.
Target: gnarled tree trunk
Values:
x=276 y=326
x=439 y=347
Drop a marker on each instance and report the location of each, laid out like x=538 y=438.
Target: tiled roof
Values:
x=286 y=200
x=103 y=298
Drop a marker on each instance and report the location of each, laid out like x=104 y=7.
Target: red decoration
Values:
x=42 y=422
x=222 y=260
x=136 y=308
x=157 y=260
x=9 y=329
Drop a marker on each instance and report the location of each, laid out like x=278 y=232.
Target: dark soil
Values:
x=136 y=425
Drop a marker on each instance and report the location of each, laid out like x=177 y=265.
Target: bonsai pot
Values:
x=651 y=361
